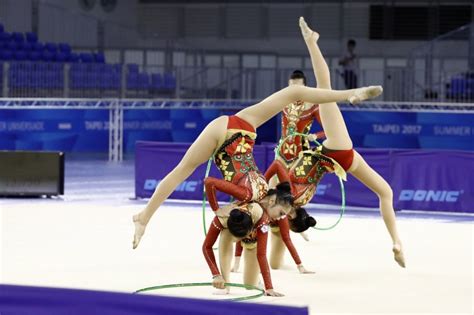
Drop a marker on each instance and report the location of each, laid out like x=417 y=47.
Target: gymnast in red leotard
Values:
x=234 y=158
x=217 y=132
x=302 y=185
x=336 y=153
x=280 y=230
x=247 y=183
x=247 y=223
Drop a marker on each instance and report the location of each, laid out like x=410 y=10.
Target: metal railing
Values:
x=431 y=78
x=427 y=74
x=26 y=79
x=206 y=103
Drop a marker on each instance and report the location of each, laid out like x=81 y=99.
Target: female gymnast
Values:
x=220 y=131
x=337 y=152
x=247 y=223
x=297 y=220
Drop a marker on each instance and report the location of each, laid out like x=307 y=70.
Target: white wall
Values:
x=15 y=15
x=58 y=25
x=202 y=26
x=231 y=27
x=124 y=13
x=67 y=21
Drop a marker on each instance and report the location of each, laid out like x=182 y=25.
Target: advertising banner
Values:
x=420 y=179
x=86 y=130
x=433 y=180
x=153 y=161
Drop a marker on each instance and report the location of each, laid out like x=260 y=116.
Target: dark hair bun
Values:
x=302 y=221
x=284 y=187
x=239 y=223
x=298 y=74
x=236 y=215
x=310 y=221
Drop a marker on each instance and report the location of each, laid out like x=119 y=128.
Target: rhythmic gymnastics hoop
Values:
x=341 y=183
x=277 y=148
x=206 y=284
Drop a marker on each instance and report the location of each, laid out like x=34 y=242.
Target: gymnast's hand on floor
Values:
x=218 y=282
x=139 y=230
x=303 y=270
x=398 y=255
x=270 y=292
x=308 y=34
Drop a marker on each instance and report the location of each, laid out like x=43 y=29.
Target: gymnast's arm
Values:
x=277 y=168
x=284 y=226
x=213 y=184
x=211 y=238
x=262 y=237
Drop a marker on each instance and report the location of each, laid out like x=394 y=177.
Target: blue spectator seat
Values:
x=31 y=38
x=169 y=81
x=99 y=57
x=34 y=55
x=12 y=45
x=64 y=47
x=4 y=36
x=20 y=55
x=6 y=55
x=52 y=47
x=18 y=37
x=132 y=68
x=156 y=81
x=86 y=58
x=143 y=81
x=37 y=46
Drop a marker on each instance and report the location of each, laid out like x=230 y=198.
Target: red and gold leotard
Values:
x=305 y=173
x=296 y=117
x=283 y=227
x=235 y=160
x=256 y=238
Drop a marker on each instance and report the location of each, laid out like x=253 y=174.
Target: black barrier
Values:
x=27 y=173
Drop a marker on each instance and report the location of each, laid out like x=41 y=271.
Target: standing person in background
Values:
x=349 y=64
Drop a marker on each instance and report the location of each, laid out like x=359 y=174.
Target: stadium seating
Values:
x=461 y=87
x=42 y=65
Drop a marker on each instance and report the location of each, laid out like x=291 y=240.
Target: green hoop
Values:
x=341 y=183
x=207 y=284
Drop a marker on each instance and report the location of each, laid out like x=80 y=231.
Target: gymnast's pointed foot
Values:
x=139 y=230
x=398 y=255
x=307 y=32
x=365 y=93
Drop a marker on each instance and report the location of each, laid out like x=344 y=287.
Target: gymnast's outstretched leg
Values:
x=214 y=135
x=338 y=145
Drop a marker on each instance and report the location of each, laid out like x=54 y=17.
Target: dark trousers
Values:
x=350 y=79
